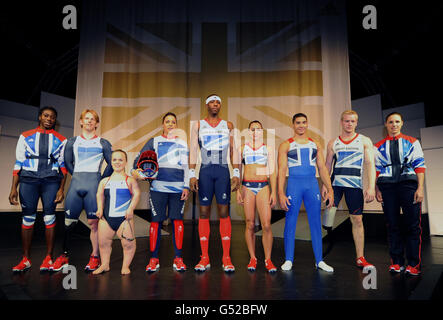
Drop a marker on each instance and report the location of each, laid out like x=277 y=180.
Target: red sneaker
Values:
x=252 y=264
x=396 y=268
x=46 y=264
x=203 y=264
x=227 y=265
x=59 y=263
x=270 y=266
x=361 y=263
x=179 y=265
x=23 y=265
x=412 y=271
x=93 y=264
x=153 y=265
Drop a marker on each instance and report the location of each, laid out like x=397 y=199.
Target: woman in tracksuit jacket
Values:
x=400 y=168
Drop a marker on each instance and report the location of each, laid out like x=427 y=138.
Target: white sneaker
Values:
x=287 y=265
x=323 y=266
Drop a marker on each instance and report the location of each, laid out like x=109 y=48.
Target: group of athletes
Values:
x=395 y=171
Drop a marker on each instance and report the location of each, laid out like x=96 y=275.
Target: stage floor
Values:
x=304 y=282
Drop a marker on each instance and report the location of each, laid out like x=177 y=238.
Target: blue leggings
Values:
x=82 y=195
x=303 y=189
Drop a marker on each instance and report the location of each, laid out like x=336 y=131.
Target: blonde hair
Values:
x=350 y=112
x=93 y=112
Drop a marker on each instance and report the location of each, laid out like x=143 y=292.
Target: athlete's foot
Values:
x=323 y=266
x=125 y=271
x=227 y=264
x=203 y=264
x=101 y=269
x=270 y=266
x=287 y=265
x=362 y=263
x=252 y=264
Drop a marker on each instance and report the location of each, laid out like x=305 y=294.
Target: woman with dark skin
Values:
x=41 y=173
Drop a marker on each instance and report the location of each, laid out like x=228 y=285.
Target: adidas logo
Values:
x=226 y=238
x=205 y=199
x=289 y=198
x=224 y=196
x=68 y=212
x=204 y=239
x=248 y=185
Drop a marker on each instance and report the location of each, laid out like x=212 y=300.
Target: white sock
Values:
x=323 y=266
x=287 y=265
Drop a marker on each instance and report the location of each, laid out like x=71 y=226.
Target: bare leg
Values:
x=264 y=211
x=128 y=246
x=106 y=234
x=249 y=208
x=26 y=241
x=49 y=234
x=358 y=232
x=93 y=223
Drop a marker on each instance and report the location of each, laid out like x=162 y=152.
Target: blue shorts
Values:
x=255 y=186
x=353 y=197
x=214 y=179
x=30 y=192
x=82 y=194
x=160 y=201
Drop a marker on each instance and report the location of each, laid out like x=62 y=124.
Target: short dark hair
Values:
x=255 y=121
x=212 y=94
x=169 y=114
x=393 y=113
x=298 y=115
x=40 y=112
x=122 y=151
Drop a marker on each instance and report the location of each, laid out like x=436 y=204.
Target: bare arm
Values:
x=282 y=169
x=328 y=164
x=233 y=151
x=135 y=190
x=101 y=198
x=324 y=176
x=193 y=156
x=273 y=176
x=370 y=169
x=329 y=155
x=239 y=195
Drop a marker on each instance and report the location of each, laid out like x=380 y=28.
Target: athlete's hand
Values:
x=193 y=184
x=284 y=202
x=324 y=191
x=378 y=195
x=369 y=195
x=235 y=184
x=136 y=174
x=60 y=196
x=129 y=214
x=239 y=197
x=99 y=214
x=418 y=195
x=329 y=197
x=185 y=194
x=273 y=200
x=13 y=197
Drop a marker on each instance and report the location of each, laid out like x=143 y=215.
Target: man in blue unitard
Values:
x=301 y=155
